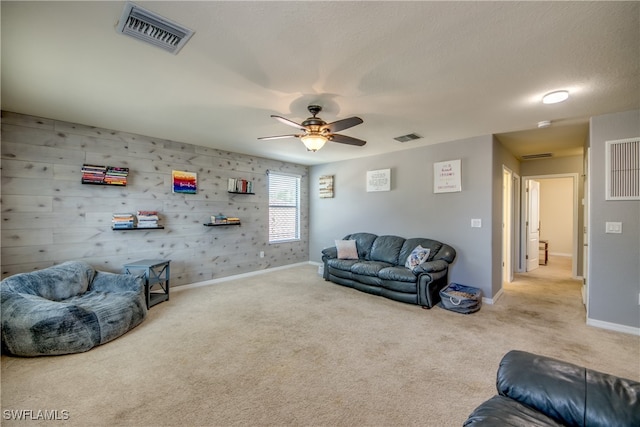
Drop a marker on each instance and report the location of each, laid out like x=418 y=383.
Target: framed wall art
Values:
x=326 y=186
x=379 y=180
x=446 y=177
x=184 y=182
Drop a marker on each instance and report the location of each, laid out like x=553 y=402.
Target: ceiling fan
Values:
x=317 y=132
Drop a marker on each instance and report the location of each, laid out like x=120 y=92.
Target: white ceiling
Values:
x=444 y=70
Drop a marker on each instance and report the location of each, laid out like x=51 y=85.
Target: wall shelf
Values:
x=210 y=224
x=160 y=227
x=239 y=192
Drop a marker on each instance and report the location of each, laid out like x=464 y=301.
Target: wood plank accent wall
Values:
x=49 y=217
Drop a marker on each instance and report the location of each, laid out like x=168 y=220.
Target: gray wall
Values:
x=48 y=216
x=614 y=259
x=411 y=209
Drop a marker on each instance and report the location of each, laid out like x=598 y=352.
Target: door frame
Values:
x=574 y=239
x=510 y=223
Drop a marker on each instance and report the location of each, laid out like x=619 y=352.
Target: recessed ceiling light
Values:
x=555 y=97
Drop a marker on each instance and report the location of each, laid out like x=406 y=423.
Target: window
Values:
x=284 y=207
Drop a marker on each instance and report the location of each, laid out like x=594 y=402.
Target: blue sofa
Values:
x=378 y=265
x=67 y=308
x=536 y=390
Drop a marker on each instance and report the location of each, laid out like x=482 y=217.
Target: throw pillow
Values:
x=347 y=249
x=417 y=257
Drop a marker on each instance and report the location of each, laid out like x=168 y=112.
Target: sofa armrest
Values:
x=112 y=282
x=329 y=253
x=431 y=266
x=570 y=394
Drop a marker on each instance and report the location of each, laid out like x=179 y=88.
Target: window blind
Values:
x=284 y=207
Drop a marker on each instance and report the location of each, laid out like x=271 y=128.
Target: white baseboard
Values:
x=237 y=276
x=613 y=327
x=495 y=298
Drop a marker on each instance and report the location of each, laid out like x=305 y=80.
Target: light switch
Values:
x=613 y=227
x=476 y=223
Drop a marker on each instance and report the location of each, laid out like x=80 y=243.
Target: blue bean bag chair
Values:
x=68 y=308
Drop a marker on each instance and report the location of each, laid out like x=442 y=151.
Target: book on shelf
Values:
x=122 y=220
x=112 y=175
x=236 y=185
x=147 y=219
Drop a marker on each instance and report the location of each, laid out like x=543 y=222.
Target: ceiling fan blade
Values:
x=288 y=122
x=344 y=139
x=280 y=137
x=343 y=124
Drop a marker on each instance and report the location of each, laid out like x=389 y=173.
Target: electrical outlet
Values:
x=261 y=254
x=476 y=223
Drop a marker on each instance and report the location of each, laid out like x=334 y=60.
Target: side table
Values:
x=156 y=278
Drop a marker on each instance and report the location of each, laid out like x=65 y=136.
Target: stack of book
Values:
x=112 y=175
x=147 y=219
x=233 y=220
x=93 y=174
x=116 y=176
x=122 y=220
x=240 y=186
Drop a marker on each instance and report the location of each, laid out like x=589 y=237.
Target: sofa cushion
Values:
x=417 y=257
x=400 y=274
x=502 y=411
x=363 y=243
x=410 y=244
x=346 y=249
x=341 y=264
x=369 y=268
x=387 y=249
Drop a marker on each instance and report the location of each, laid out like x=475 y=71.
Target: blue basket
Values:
x=461 y=298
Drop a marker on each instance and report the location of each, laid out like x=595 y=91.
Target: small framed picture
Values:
x=184 y=182
x=379 y=180
x=326 y=186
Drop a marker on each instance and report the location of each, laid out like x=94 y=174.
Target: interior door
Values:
x=533 y=224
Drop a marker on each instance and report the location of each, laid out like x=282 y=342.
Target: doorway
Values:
x=561 y=237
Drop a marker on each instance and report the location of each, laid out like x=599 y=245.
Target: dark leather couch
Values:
x=380 y=268
x=539 y=391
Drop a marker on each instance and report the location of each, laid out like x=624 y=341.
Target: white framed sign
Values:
x=379 y=180
x=446 y=177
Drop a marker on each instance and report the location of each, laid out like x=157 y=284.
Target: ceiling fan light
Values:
x=555 y=97
x=313 y=142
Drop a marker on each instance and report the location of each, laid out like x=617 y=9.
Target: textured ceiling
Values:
x=444 y=70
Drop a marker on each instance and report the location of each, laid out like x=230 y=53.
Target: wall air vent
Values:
x=536 y=156
x=154 y=29
x=622 y=160
x=408 y=137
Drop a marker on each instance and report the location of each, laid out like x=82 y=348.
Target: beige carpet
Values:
x=287 y=348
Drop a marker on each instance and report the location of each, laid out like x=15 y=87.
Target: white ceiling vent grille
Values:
x=408 y=137
x=622 y=159
x=537 y=156
x=154 y=29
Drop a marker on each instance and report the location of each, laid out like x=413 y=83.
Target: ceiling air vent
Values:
x=408 y=137
x=536 y=156
x=154 y=29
